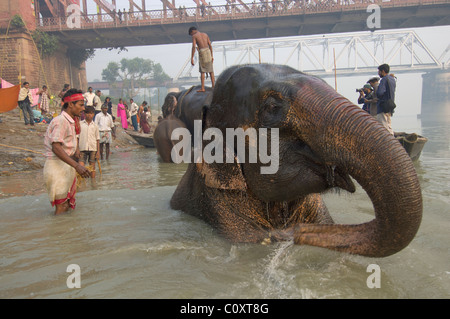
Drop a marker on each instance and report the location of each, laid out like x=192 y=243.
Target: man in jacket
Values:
x=25 y=101
x=385 y=91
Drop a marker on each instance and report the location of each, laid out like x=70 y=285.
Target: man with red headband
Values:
x=60 y=143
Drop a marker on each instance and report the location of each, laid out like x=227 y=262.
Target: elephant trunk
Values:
x=353 y=141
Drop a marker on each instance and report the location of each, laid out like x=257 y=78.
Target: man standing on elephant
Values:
x=205 y=53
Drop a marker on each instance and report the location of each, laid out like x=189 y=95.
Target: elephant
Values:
x=179 y=110
x=162 y=136
x=325 y=141
x=189 y=104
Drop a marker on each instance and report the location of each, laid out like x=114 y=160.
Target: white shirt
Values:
x=23 y=93
x=89 y=136
x=134 y=109
x=104 y=122
x=89 y=98
x=97 y=100
x=61 y=130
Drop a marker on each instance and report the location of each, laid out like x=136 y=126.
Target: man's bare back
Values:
x=201 y=40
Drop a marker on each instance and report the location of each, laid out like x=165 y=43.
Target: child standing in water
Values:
x=89 y=139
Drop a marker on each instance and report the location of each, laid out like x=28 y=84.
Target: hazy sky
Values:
x=172 y=58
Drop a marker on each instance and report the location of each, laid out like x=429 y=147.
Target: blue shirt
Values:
x=383 y=92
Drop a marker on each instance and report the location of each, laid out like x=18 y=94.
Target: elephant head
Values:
x=187 y=105
x=180 y=110
x=324 y=142
x=170 y=103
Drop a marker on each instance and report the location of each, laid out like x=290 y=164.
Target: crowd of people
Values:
x=139 y=117
x=79 y=136
x=258 y=7
x=230 y=7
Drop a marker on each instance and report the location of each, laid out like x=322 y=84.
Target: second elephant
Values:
x=180 y=110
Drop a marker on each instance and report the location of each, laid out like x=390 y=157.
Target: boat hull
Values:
x=143 y=139
x=412 y=142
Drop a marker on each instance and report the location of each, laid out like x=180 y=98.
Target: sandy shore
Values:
x=22 y=147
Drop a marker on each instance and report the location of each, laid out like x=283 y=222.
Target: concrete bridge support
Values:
x=436 y=95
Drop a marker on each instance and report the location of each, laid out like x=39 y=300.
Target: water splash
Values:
x=277 y=258
x=233 y=254
x=273 y=281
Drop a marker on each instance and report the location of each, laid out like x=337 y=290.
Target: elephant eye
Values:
x=272 y=104
x=274 y=107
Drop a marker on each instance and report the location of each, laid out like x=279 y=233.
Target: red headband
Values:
x=74 y=98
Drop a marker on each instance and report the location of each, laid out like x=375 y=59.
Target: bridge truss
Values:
x=348 y=54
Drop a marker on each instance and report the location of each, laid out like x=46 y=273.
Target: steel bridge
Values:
x=232 y=20
x=344 y=54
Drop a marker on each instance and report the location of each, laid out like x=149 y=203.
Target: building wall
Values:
x=25 y=8
x=18 y=56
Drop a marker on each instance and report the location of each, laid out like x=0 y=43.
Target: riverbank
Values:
x=22 y=148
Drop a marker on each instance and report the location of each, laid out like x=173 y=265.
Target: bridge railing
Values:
x=221 y=12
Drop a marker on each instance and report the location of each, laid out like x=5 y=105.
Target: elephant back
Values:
x=190 y=106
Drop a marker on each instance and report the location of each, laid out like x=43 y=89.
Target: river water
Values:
x=128 y=243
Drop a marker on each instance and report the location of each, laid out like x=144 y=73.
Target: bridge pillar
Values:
x=435 y=95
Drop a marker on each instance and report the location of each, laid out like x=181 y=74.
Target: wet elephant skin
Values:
x=324 y=142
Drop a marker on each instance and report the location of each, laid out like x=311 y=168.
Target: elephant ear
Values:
x=223 y=176
x=208 y=99
x=205 y=109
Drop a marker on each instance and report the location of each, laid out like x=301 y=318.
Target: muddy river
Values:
x=128 y=243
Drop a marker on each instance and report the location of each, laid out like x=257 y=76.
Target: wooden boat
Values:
x=412 y=142
x=142 y=139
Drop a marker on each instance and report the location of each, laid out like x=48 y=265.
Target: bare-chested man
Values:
x=205 y=53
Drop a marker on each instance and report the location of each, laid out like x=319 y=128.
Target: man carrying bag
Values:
x=386 y=97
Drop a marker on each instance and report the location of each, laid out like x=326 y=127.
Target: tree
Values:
x=46 y=44
x=159 y=75
x=79 y=55
x=111 y=74
x=134 y=74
